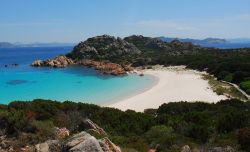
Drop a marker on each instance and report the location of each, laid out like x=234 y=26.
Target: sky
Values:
x=75 y=20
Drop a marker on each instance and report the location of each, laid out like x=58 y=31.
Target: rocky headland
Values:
x=99 y=53
x=115 y=56
x=105 y=67
x=58 y=62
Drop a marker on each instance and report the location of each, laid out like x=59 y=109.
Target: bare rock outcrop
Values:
x=185 y=148
x=103 y=47
x=61 y=133
x=106 y=67
x=109 y=146
x=58 y=62
x=80 y=142
x=94 y=127
x=87 y=143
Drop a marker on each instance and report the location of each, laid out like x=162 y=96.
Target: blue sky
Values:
x=76 y=20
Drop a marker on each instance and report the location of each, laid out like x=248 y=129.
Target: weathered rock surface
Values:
x=106 y=67
x=93 y=126
x=81 y=142
x=103 y=47
x=48 y=146
x=185 y=148
x=43 y=147
x=108 y=146
x=75 y=140
x=58 y=62
x=61 y=133
x=90 y=144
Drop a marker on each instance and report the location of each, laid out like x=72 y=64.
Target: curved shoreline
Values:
x=174 y=84
x=155 y=81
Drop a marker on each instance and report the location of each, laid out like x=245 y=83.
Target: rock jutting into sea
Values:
x=104 y=67
x=107 y=67
x=58 y=62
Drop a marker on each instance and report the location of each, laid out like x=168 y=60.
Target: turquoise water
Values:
x=75 y=83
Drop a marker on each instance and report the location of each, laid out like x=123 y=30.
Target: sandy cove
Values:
x=174 y=84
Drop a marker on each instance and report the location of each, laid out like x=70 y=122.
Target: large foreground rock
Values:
x=81 y=142
x=90 y=144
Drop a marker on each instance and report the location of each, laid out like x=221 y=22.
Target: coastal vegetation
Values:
x=223 y=88
x=168 y=128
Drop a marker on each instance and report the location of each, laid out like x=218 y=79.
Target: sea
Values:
x=228 y=45
x=21 y=82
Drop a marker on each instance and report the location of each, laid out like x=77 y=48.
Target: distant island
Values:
x=204 y=42
x=207 y=42
x=37 y=44
x=213 y=42
x=6 y=45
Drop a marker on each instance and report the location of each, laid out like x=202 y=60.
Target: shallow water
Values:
x=75 y=83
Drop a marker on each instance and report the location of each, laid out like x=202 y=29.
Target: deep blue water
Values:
x=229 y=45
x=75 y=83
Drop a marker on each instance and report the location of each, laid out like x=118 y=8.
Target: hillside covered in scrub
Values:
x=199 y=126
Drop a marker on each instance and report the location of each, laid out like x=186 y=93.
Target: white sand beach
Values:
x=174 y=84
